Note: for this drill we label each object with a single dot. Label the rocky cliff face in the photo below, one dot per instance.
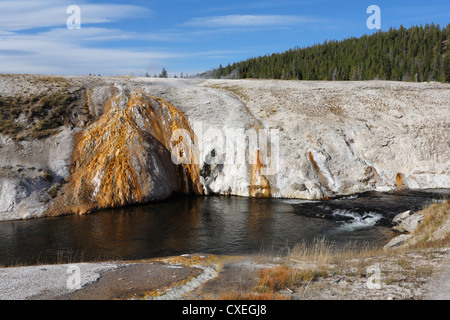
(122, 141)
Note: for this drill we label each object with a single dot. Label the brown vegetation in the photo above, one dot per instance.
(435, 217)
(41, 114)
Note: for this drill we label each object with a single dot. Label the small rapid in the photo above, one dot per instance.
(355, 220)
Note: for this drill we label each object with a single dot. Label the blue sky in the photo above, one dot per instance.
(119, 37)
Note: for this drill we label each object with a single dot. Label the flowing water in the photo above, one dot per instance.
(216, 225)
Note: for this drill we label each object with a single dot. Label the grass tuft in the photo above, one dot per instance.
(253, 296)
(281, 277)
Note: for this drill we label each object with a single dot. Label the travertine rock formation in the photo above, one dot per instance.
(340, 138)
(125, 157)
(120, 140)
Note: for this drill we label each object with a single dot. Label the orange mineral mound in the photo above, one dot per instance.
(125, 157)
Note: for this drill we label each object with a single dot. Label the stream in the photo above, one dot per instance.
(209, 225)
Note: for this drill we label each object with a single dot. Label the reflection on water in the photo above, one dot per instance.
(219, 225)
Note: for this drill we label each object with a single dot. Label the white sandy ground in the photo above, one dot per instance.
(439, 287)
(48, 281)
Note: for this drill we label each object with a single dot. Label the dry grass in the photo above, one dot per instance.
(253, 296)
(324, 255)
(188, 260)
(61, 257)
(281, 277)
(68, 257)
(321, 256)
(239, 92)
(354, 261)
(434, 217)
(42, 113)
(7, 172)
(53, 80)
(319, 251)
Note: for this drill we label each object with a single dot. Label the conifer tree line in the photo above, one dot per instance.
(420, 53)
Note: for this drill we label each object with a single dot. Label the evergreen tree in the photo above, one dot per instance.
(414, 54)
(164, 73)
(446, 67)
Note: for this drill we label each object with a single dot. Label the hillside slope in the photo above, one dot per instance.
(414, 54)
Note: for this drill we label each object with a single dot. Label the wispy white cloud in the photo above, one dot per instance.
(29, 14)
(108, 49)
(38, 54)
(57, 50)
(63, 51)
(248, 21)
